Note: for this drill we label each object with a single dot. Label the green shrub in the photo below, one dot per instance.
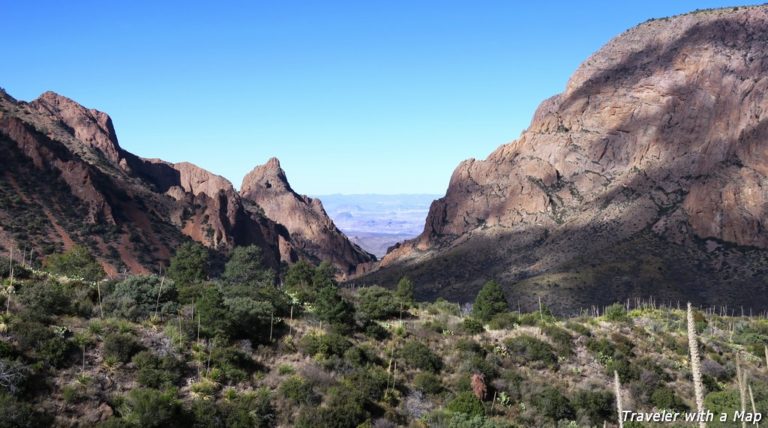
(251, 410)
(529, 350)
(562, 339)
(136, 298)
(157, 372)
(602, 348)
(20, 414)
(206, 414)
(597, 406)
(489, 302)
(504, 321)
(428, 383)
(554, 405)
(324, 345)
(578, 328)
(623, 366)
(43, 299)
(469, 346)
(466, 402)
(298, 391)
(343, 408)
(442, 306)
(377, 303)
(418, 355)
(14, 375)
(233, 364)
(472, 326)
(71, 393)
(76, 262)
(145, 407)
(665, 398)
(461, 420)
(616, 312)
(122, 346)
(478, 364)
(368, 382)
(37, 339)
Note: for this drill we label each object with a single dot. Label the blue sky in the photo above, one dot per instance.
(353, 97)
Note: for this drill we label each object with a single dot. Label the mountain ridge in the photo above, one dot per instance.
(658, 140)
(138, 209)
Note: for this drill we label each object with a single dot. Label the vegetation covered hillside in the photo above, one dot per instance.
(242, 350)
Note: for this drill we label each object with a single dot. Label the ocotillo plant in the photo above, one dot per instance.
(617, 388)
(752, 400)
(741, 378)
(693, 346)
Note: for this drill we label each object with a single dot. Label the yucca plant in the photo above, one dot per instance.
(617, 388)
(693, 345)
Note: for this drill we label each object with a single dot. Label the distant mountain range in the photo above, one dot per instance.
(377, 222)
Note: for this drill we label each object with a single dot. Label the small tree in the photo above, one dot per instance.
(75, 262)
(299, 280)
(377, 303)
(333, 308)
(245, 267)
(405, 291)
(490, 301)
(189, 267)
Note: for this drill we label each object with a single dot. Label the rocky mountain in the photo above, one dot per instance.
(311, 230)
(65, 180)
(646, 177)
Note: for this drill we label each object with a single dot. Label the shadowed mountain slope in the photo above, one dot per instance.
(646, 177)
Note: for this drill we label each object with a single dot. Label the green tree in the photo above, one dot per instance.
(75, 262)
(377, 303)
(138, 297)
(188, 269)
(245, 267)
(324, 276)
(405, 291)
(213, 315)
(333, 308)
(300, 281)
(466, 402)
(490, 301)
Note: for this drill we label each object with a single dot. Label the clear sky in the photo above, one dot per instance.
(363, 96)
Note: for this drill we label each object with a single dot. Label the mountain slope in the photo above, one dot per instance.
(647, 176)
(311, 230)
(65, 180)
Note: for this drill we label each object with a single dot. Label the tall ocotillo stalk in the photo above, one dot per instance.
(617, 388)
(766, 357)
(752, 400)
(741, 379)
(693, 345)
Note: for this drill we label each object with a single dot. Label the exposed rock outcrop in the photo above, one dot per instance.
(65, 179)
(659, 137)
(311, 230)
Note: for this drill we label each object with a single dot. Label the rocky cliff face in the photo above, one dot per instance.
(311, 230)
(65, 180)
(647, 176)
